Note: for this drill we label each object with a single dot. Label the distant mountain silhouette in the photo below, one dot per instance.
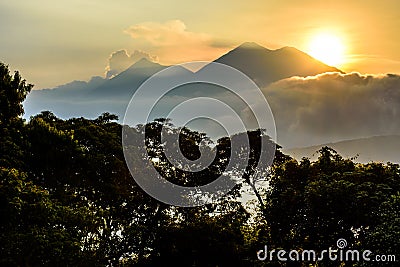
(264, 66)
(125, 83)
(377, 148)
(89, 99)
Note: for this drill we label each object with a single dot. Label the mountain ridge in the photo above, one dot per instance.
(265, 66)
(130, 79)
(144, 63)
(381, 148)
(89, 99)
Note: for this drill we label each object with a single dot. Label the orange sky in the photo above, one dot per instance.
(54, 42)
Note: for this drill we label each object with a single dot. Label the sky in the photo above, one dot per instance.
(55, 42)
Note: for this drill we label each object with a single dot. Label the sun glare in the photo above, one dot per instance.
(328, 49)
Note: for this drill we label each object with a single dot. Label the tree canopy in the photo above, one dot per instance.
(67, 198)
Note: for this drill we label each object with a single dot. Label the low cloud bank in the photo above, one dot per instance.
(333, 106)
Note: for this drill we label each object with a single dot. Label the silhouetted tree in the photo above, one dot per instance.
(13, 91)
(68, 198)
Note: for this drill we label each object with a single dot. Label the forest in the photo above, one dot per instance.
(67, 198)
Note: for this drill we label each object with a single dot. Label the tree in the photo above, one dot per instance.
(68, 198)
(13, 91)
(313, 204)
(36, 229)
(384, 237)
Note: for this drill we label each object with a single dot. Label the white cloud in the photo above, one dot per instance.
(174, 43)
(120, 60)
(333, 106)
(165, 34)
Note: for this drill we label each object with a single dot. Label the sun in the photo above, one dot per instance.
(327, 48)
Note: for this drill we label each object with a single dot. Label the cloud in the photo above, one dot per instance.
(333, 106)
(120, 60)
(165, 34)
(174, 43)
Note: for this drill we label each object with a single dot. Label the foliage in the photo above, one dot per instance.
(67, 197)
(13, 90)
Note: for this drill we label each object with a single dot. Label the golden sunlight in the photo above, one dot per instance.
(328, 49)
